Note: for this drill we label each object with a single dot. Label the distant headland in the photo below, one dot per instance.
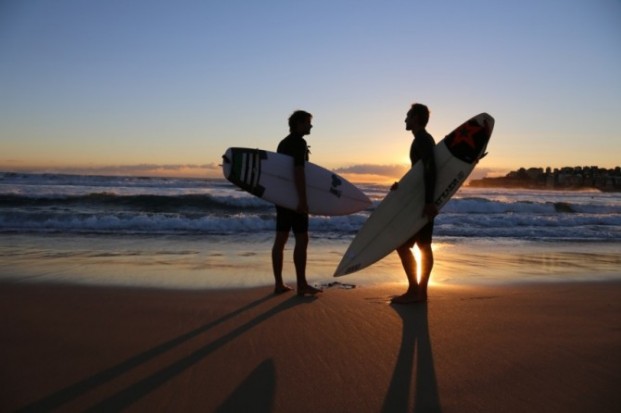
(567, 178)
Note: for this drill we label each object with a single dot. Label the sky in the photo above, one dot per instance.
(150, 87)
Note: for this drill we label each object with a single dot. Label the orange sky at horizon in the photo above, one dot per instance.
(214, 171)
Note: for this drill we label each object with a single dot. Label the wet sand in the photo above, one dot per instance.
(539, 347)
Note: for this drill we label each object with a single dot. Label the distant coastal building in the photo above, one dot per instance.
(579, 177)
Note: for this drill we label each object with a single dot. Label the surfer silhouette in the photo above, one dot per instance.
(421, 150)
(286, 220)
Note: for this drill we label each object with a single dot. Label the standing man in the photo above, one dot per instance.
(422, 150)
(295, 146)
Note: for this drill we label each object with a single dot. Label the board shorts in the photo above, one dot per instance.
(422, 237)
(287, 220)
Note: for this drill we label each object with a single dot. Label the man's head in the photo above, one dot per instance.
(300, 123)
(417, 117)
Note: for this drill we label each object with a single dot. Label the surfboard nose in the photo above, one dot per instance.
(469, 140)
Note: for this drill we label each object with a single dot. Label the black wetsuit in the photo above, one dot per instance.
(422, 150)
(287, 219)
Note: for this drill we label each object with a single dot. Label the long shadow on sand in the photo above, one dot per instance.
(414, 353)
(255, 394)
(133, 393)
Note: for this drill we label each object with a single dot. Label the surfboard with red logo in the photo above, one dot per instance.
(400, 214)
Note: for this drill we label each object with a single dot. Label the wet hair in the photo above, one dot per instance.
(422, 111)
(297, 117)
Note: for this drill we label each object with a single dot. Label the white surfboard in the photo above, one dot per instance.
(400, 214)
(269, 175)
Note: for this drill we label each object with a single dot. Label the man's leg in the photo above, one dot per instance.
(409, 265)
(277, 261)
(426, 254)
(299, 259)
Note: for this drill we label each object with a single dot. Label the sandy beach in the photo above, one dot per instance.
(540, 347)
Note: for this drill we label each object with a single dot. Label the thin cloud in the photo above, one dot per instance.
(388, 171)
(210, 170)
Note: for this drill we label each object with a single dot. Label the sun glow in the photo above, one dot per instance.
(369, 178)
(419, 264)
(405, 160)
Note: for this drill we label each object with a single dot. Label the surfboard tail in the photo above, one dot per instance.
(347, 265)
(340, 272)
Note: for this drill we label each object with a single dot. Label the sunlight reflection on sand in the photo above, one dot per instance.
(220, 262)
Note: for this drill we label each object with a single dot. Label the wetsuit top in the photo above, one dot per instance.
(422, 149)
(294, 146)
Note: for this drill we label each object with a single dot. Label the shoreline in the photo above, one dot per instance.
(214, 262)
(538, 347)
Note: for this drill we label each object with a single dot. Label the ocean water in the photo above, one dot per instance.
(134, 231)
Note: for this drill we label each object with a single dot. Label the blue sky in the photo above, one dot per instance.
(166, 86)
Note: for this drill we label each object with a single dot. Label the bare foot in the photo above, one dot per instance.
(281, 289)
(408, 298)
(308, 290)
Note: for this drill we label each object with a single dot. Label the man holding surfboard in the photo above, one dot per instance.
(295, 146)
(421, 150)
